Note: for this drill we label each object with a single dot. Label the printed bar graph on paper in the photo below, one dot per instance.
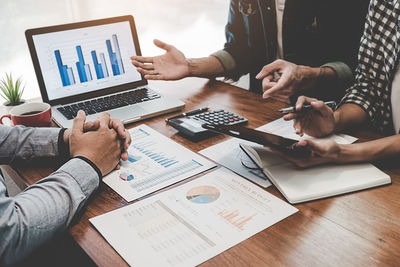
(66, 74)
(160, 158)
(83, 69)
(234, 218)
(115, 57)
(167, 174)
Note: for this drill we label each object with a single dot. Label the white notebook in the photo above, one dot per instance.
(300, 185)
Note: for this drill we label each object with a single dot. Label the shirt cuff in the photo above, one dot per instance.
(84, 174)
(226, 59)
(88, 161)
(63, 148)
(343, 72)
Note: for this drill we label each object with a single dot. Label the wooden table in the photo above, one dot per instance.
(356, 229)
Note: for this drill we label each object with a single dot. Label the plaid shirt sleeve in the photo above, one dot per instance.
(377, 61)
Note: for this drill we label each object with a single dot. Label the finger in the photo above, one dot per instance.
(118, 166)
(298, 128)
(142, 65)
(128, 141)
(321, 107)
(91, 126)
(124, 156)
(290, 116)
(282, 83)
(269, 69)
(104, 119)
(143, 59)
(315, 147)
(79, 121)
(267, 84)
(303, 99)
(147, 72)
(118, 126)
(162, 45)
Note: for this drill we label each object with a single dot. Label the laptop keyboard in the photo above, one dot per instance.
(109, 102)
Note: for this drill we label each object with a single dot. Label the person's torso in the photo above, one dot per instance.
(314, 32)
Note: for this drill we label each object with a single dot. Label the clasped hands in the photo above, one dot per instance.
(104, 141)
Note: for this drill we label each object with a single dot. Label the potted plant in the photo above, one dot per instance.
(11, 91)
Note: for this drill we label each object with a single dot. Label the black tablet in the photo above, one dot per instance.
(283, 144)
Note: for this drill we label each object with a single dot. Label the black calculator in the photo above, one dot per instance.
(219, 117)
(191, 126)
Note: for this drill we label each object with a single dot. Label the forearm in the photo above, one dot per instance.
(349, 116)
(207, 67)
(321, 77)
(27, 143)
(370, 151)
(44, 209)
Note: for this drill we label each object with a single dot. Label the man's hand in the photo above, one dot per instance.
(321, 152)
(102, 147)
(317, 122)
(173, 65)
(293, 78)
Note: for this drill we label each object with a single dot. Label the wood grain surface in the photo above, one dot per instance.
(356, 229)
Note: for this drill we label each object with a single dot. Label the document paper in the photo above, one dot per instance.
(191, 223)
(154, 162)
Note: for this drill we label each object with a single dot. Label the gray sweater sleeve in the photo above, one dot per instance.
(46, 208)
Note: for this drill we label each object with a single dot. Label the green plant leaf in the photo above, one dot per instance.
(10, 90)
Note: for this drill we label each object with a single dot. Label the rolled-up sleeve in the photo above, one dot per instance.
(345, 76)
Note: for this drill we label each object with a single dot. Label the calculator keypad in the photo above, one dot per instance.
(220, 117)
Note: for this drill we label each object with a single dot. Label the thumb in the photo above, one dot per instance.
(268, 69)
(162, 45)
(79, 121)
(315, 147)
(91, 126)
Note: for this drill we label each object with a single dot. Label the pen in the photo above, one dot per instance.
(189, 113)
(331, 104)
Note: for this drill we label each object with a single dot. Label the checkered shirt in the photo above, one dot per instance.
(377, 62)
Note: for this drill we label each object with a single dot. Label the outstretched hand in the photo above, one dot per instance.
(173, 65)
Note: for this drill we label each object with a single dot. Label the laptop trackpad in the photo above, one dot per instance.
(125, 113)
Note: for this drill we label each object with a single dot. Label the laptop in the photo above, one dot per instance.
(86, 65)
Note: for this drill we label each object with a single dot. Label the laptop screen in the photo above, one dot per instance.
(83, 60)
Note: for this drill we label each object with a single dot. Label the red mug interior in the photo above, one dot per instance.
(30, 114)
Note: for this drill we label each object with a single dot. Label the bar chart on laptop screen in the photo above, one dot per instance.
(86, 59)
(67, 75)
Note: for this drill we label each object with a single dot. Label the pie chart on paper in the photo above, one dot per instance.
(203, 194)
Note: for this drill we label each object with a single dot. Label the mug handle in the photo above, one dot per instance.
(4, 116)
